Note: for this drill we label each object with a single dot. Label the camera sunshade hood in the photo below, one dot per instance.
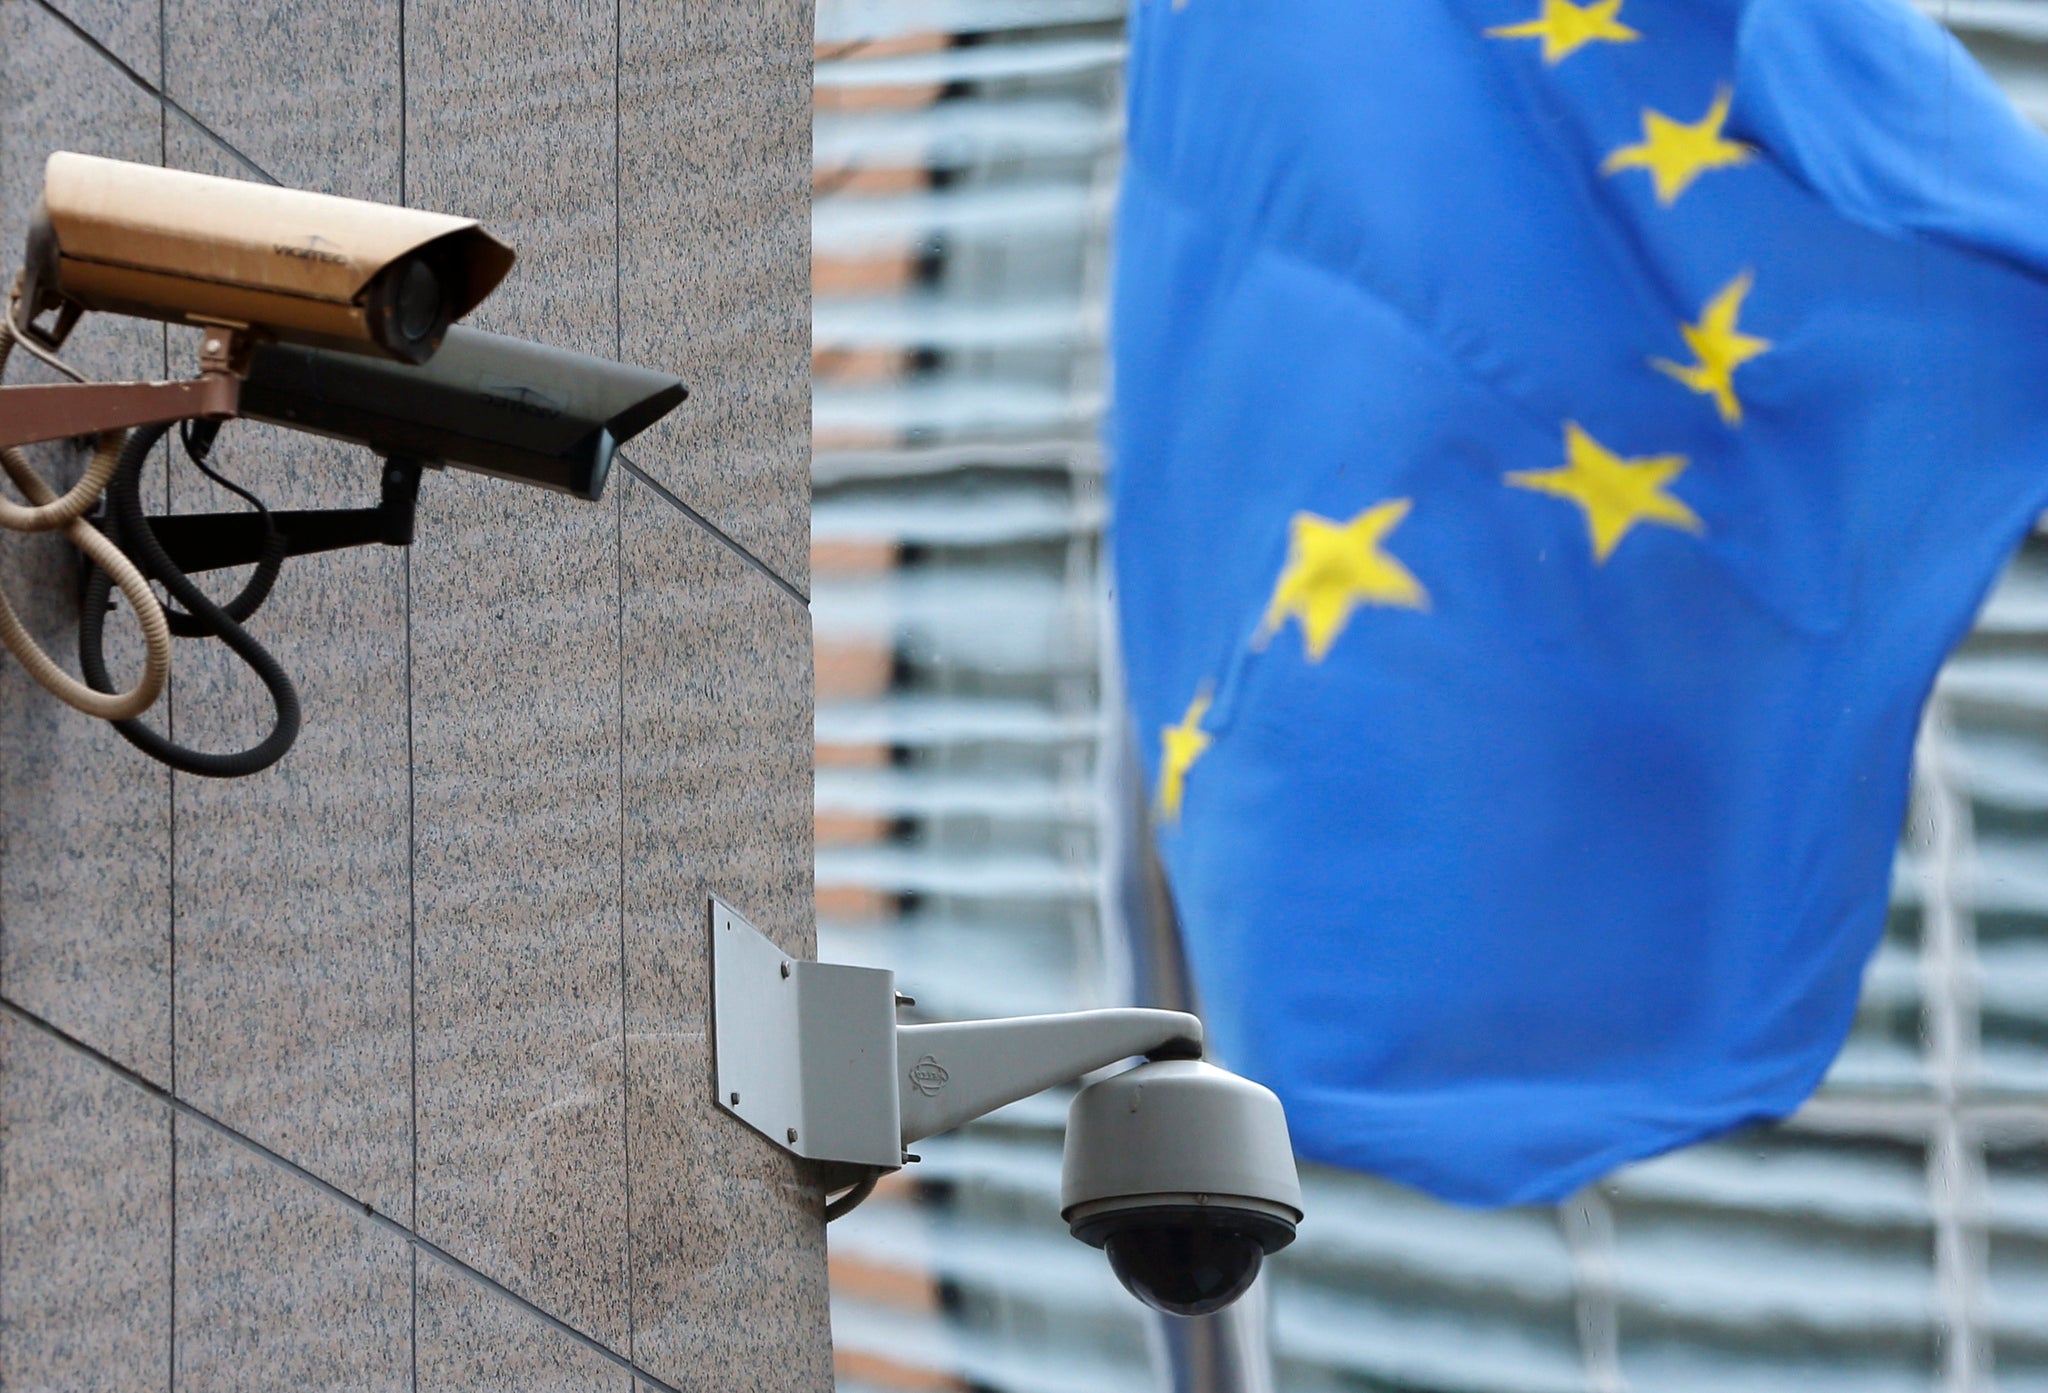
(496, 405)
(168, 244)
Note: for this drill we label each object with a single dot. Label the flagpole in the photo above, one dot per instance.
(1230, 1351)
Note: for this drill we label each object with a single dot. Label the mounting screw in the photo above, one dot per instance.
(910, 1156)
(792, 1134)
(785, 969)
(902, 1000)
(213, 345)
(735, 1099)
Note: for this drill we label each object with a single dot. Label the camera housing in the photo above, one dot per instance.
(487, 403)
(301, 267)
(1184, 1175)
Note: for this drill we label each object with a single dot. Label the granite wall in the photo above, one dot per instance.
(387, 1068)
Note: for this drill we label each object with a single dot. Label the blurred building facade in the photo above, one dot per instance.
(1894, 1235)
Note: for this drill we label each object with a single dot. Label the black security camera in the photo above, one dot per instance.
(496, 405)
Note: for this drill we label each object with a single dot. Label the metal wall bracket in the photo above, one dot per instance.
(33, 412)
(198, 542)
(810, 1055)
(804, 1052)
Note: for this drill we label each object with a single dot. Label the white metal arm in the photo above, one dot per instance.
(953, 1073)
(810, 1055)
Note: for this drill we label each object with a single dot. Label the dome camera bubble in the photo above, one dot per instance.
(1184, 1269)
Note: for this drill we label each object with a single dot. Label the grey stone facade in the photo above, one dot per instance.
(388, 1068)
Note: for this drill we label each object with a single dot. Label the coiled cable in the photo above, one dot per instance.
(131, 531)
(101, 698)
(48, 511)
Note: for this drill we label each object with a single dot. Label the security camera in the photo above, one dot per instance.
(1180, 1171)
(495, 405)
(283, 264)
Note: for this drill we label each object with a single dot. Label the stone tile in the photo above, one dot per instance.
(470, 1339)
(509, 119)
(85, 901)
(85, 1221)
(516, 701)
(279, 1286)
(308, 89)
(294, 964)
(521, 1164)
(714, 192)
(728, 1235)
(126, 28)
(293, 885)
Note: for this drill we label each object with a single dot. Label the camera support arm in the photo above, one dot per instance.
(953, 1073)
(33, 412)
(811, 1056)
(61, 410)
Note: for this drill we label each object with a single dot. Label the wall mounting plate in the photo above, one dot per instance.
(804, 1052)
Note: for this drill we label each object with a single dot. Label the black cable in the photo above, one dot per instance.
(198, 437)
(130, 531)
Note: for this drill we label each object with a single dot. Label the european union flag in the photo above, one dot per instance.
(1555, 444)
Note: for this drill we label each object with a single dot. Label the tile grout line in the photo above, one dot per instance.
(718, 533)
(412, 972)
(163, 131)
(412, 838)
(170, 105)
(5, 1324)
(619, 552)
(329, 1190)
(163, 99)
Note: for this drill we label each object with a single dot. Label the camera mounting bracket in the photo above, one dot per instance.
(210, 541)
(34, 412)
(810, 1054)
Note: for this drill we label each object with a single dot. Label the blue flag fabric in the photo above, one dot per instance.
(1555, 446)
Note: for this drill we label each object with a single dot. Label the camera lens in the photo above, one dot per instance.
(419, 302)
(410, 303)
(1184, 1269)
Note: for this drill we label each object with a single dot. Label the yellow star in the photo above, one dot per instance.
(1615, 493)
(1179, 747)
(1333, 567)
(1566, 28)
(1676, 154)
(1720, 348)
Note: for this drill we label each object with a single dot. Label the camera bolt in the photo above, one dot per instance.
(792, 1134)
(735, 1100)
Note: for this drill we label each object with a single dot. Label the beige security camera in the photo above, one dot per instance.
(282, 264)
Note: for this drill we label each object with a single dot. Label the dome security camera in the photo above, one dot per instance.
(1182, 1173)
